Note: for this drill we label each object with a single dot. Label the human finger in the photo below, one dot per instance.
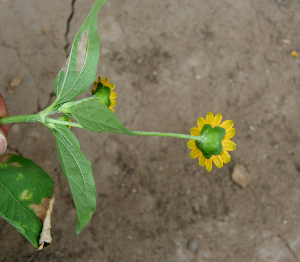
(3, 113)
(3, 141)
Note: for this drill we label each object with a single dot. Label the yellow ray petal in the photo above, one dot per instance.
(218, 161)
(200, 123)
(111, 109)
(226, 157)
(208, 164)
(227, 124)
(113, 103)
(229, 133)
(111, 86)
(195, 131)
(195, 153)
(209, 118)
(228, 145)
(202, 160)
(105, 81)
(113, 95)
(217, 120)
(191, 144)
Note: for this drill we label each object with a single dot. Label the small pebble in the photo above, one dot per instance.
(286, 41)
(13, 83)
(241, 176)
(251, 127)
(193, 245)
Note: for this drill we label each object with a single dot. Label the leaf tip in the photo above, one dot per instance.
(43, 211)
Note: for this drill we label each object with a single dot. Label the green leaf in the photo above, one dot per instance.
(78, 171)
(96, 117)
(23, 185)
(79, 71)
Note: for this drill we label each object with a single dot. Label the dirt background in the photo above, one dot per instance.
(171, 62)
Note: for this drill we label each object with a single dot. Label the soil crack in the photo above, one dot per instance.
(68, 27)
(288, 247)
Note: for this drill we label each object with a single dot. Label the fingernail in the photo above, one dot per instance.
(3, 144)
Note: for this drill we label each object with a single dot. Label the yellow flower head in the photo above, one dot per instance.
(214, 143)
(104, 91)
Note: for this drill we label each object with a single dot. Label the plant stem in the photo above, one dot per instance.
(142, 133)
(61, 122)
(20, 118)
(35, 118)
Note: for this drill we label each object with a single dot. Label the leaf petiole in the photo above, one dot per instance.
(61, 122)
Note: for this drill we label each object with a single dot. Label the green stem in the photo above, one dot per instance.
(64, 107)
(142, 133)
(48, 111)
(20, 118)
(61, 122)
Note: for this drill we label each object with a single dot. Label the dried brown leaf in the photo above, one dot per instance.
(66, 64)
(43, 211)
(82, 50)
(81, 53)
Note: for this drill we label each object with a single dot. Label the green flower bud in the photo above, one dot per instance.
(106, 96)
(211, 142)
(103, 94)
(64, 118)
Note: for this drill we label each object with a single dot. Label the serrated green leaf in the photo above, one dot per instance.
(96, 117)
(79, 71)
(78, 171)
(22, 185)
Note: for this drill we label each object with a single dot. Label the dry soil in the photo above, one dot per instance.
(171, 62)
